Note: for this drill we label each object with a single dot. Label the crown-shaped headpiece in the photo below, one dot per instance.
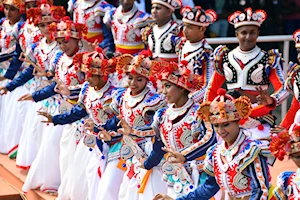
(248, 17)
(224, 108)
(197, 16)
(45, 12)
(94, 63)
(67, 29)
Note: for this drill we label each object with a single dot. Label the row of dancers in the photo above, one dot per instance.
(117, 104)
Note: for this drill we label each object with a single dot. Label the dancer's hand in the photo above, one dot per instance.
(263, 98)
(174, 156)
(277, 129)
(3, 90)
(89, 125)
(104, 135)
(88, 46)
(2, 78)
(61, 88)
(126, 129)
(38, 71)
(26, 97)
(142, 161)
(47, 115)
(162, 197)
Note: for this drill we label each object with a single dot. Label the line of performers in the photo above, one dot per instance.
(117, 104)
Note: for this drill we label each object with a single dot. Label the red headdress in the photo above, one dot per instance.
(45, 12)
(94, 63)
(224, 108)
(140, 64)
(18, 4)
(248, 17)
(179, 74)
(197, 16)
(68, 29)
(286, 142)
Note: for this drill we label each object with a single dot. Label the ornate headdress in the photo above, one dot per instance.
(172, 4)
(18, 4)
(45, 12)
(296, 37)
(197, 16)
(139, 64)
(248, 17)
(94, 63)
(286, 142)
(179, 74)
(224, 108)
(68, 29)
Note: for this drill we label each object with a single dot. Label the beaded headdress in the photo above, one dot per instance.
(94, 63)
(224, 108)
(45, 12)
(18, 4)
(139, 64)
(248, 17)
(179, 74)
(286, 142)
(68, 29)
(197, 16)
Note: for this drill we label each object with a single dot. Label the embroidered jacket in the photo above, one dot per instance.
(39, 53)
(26, 35)
(181, 129)
(247, 70)
(138, 112)
(90, 13)
(62, 66)
(126, 28)
(198, 55)
(7, 42)
(159, 40)
(241, 169)
(288, 186)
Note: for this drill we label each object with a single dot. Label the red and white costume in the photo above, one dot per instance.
(197, 54)
(125, 27)
(246, 70)
(90, 13)
(160, 39)
(137, 111)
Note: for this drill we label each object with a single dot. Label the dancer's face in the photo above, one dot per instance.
(228, 131)
(172, 92)
(193, 33)
(137, 83)
(95, 81)
(247, 36)
(126, 4)
(160, 13)
(29, 5)
(12, 13)
(44, 29)
(68, 46)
